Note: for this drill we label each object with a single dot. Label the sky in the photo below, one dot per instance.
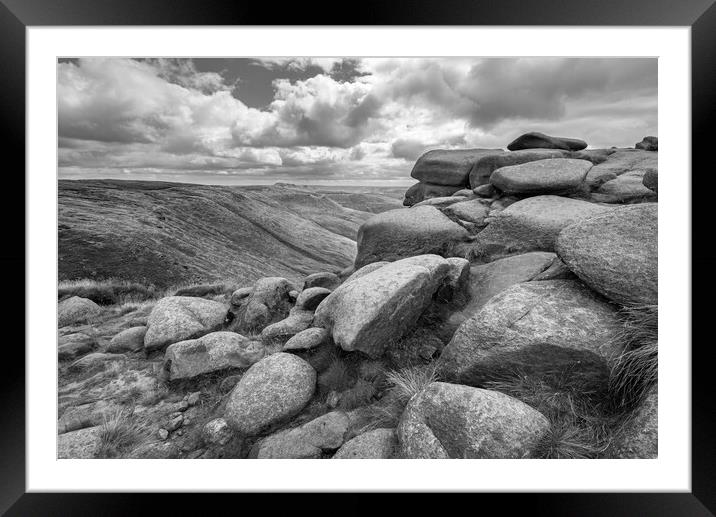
(331, 120)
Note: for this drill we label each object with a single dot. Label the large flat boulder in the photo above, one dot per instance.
(422, 191)
(545, 328)
(448, 167)
(76, 310)
(531, 224)
(178, 318)
(375, 310)
(551, 176)
(537, 140)
(616, 253)
(485, 166)
(619, 162)
(626, 188)
(272, 390)
(408, 232)
(210, 353)
(454, 421)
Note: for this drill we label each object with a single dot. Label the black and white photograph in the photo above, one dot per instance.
(388, 258)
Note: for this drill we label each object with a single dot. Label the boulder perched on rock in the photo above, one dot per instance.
(472, 211)
(551, 176)
(210, 353)
(626, 188)
(651, 179)
(448, 167)
(551, 327)
(407, 232)
(310, 298)
(375, 444)
(281, 331)
(638, 438)
(178, 318)
(648, 143)
(370, 312)
(268, 302)
(76, 310)
(311, 440)
(531, 225)
(74, 345)
(422, 191)
(454, 421)
(536, 140)
(616, 253)
(272, 390)
(307, 339)
(80, 444)
(620, 162)
(485, 166)
(129, 340)
(326, 279)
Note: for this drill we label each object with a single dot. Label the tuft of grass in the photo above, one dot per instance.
(111, 291)
(336, 377)
(635, 371)
(359, 395)
(408, 382)
(117, 434)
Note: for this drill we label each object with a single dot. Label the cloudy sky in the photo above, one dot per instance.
(331, 120)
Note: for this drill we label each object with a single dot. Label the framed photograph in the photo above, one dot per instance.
(430, 241)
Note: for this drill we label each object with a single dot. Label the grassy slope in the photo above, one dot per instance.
(171, 233)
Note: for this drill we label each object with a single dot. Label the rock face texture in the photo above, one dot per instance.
(651, 179)
(422, 191)
(536, 328)
(472, 211)
(178, 318)
(542, 141)
(370, 312)
(616, 253)
(552, 176)
(406, 232)
(272, 390)
(453, 421)
(211, 353)
(448, 167)
(80, 444)
(311, 440)
(375, 444)
(485, 166)
(76, 310)
(531, 224)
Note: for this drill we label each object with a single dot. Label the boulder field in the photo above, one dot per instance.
(483, 320)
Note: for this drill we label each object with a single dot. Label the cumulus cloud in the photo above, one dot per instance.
(360, 118)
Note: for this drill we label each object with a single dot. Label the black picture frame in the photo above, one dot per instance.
(700, 15)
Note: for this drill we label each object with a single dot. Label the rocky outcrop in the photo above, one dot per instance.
(536, 140)
(178, 318)
(648, 143)
(210, 353)
(272, 390)
(370, 312)
(448, 167)
(407, 232)
(76, 310)
(551, 176)
(453, 421)
(616, 253)
(620, 162)
(267, 302)
(535, 328)
(531, 225)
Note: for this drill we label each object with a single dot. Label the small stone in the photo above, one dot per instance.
(217, 432)
(175, 423)
(193, 398)
(163, 434)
